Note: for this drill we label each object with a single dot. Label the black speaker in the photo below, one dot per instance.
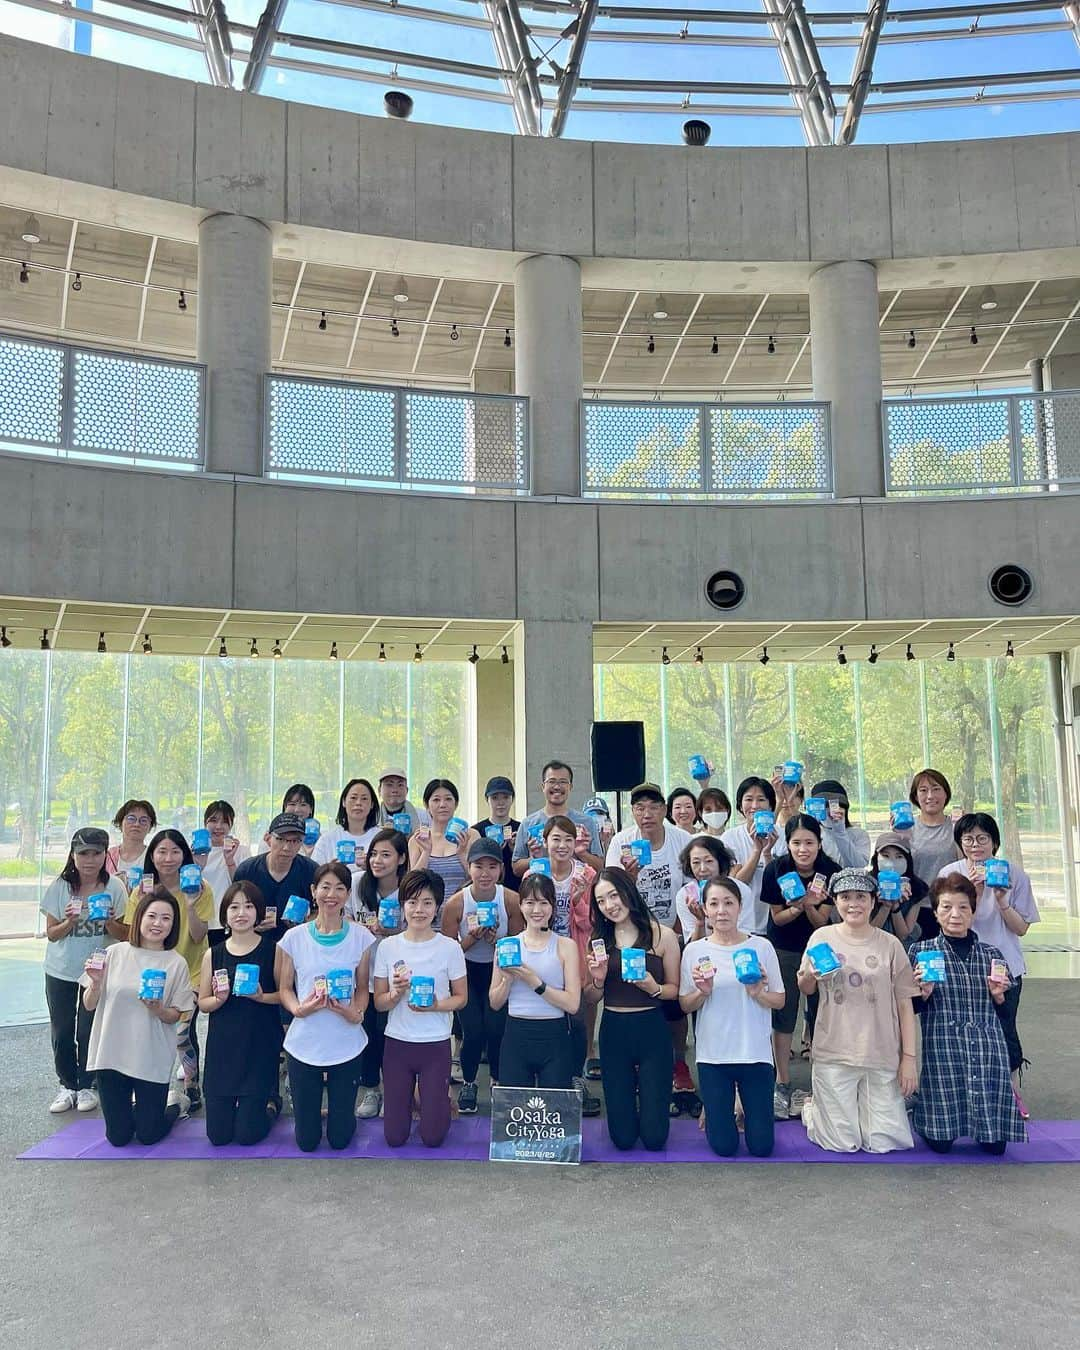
(618, 755)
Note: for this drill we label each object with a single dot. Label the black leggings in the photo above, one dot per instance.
(481, 1026)
(372, 1053)
(69, 1025)
(1007, 1017)
(636, 1064)
(535, 1053)
(306, 1084)
(996, 1147)
(134, 1108)
(237, 1120)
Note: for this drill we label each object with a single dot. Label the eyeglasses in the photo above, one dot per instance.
(138, 820)
(557, 782)
(974, 840)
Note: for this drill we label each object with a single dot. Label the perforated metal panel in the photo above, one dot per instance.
(338, 431)
(78, 401)
(984, 443)
(710, 449)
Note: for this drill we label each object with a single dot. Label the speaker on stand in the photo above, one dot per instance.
(618, 759)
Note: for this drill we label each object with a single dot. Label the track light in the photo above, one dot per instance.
(911, 338)
(841, 658)
(715, 347)
(101, 643)
(764, 657)
(322, 321)
(401, 291)
(505, 658)
(974, 339)
(873, 657)
(253, 650)
(454, 334)
(475, 656)
(699, 657)
(333, 651)
(147, 645)
(1009, 649)
(223, 651)
(950, 655)
(44, 639)
(665, 659)
(418, 655)
(395, 331)
(771, 349)
(24, 274)
(650, 346)
(661, 309)
(276, 652)
(31, 230)
(382, 651)
(5, 641)
(909, 655)
(506, 338)
(181, 303)
(76, 285)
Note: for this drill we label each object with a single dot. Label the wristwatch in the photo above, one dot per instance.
(541, 988)
(659, 991)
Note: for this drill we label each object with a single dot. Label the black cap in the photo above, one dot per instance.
(499, 784)
(90, 840)
(485, 848)
(829, 787)
(646, 792)
(287, 822)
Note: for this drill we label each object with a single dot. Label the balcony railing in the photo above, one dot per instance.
(359, 435)
(677, 450)
(984, 443)
(88, 403)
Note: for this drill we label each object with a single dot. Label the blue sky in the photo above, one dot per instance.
(680, 61)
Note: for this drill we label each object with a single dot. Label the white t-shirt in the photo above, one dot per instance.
(442, 959)
(324, 1037)
(660, 882)
(691, 891)
(125, 1037)
(738, 842)
(731, 1027)
(989, 926)
(216, 876)
(326, 849)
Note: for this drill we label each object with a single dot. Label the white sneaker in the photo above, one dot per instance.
(370, 1104)
(63, 1101)
(178, 1098)
(86, 1100)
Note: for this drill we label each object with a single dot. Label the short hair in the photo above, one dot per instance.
(556, 764)
(166, 897)
(372, 817)
(723, 855)
(563, 823)
(934, 777)
(536, 886)
(953, 883)
(299, 790)
(728, 883)
(131, 805)
(679, 792)
(422, 879)
(444, 784)
(713, 794)
(762, 784)
(220, 808)
(977, 820)
(802, 822)
(175, 837)
(245, 888)
(332, 869)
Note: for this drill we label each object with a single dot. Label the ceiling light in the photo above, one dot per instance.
(418, 655)
(974, 339)
(989, 299)
(253, 650)
(5, 641)
(764, 657)
(771, 349)
(950, 655)
(31, 230)
(475, 657)
(397, 104)
(505, 658)
(506, 339)
(322, 322)
(715, 347)
(276, 652)
(24, 274)
(696, 132)
(1009, 649)
(454, 334)
(401, 291)
(382, 651)
(333, 651)
(395, 331)
(76, 285)
(841, 659)
(147, 645)
(101, 643)
(661, 309)
(699, 657)
(223, 651)
(911, 338)
(181, 303)
(909, 655)
(44, 639)
(665, 659)
(650, 346)
(873, 657)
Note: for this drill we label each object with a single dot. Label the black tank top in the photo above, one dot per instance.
(619, 995)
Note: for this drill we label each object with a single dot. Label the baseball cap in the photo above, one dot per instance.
(596, 806)
(499, 784)
(286, 822)
(646, 792)
(891, 839)
(485, 848)
(393, 773)
(89, 840)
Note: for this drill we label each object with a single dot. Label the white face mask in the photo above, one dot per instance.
(716, 820)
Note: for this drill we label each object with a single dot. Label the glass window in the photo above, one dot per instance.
(236, 741)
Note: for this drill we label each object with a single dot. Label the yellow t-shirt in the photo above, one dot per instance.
(192, 952)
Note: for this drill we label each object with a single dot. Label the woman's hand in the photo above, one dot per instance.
(423, 839)
(73, 910)
(344, 1009)
(907, 1078)
(1001, 897)
(155, 1007)
(312, 1004)
(400, 985)
(598, 969)
(758, 988)
(703, 983)
(94, 976)
(535, 847)
(630, 865)
(229, 851)
(769, 843)
(582, 841)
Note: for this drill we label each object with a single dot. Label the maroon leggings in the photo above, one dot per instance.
(404, 1064)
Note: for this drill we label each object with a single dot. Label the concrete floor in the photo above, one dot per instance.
(453, 1254)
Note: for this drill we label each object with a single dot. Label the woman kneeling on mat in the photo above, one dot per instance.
(633, 966)
(541, 994)
(420, 980)
(965, 1089)
(864, 1038)
(732, 981)
(322, 977)
(140, 989)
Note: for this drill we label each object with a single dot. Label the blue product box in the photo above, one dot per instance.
(791, 887)
(402, 822)
(642, 851)
(99, 906)
(246, 980)
(889, 885)
(699, 767)
(903, 817)
(134, 876)
(816, 807)
(200, 841)
(541, 866)
(633, 963)
(931, 967)
(487, 913)
(312, 830)
(422, 991)
(747, 966)
(764, 823)
(296, 909)
(389, 914)
(456, 829)
(997, 873)
(793, 771)
(508, 951)
(823, 958)
(346, 851)
(494, 832)
(191, 878)
(152, 985)
(339, 985)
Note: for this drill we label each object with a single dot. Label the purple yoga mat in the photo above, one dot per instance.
(1051, 1141)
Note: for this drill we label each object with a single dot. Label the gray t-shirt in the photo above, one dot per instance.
(932, 848)
(521, 848)
(66, 958)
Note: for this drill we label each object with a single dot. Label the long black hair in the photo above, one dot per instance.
(369, 886)
(372, 816)
(178, 839)
(640, 917)
(70, 873)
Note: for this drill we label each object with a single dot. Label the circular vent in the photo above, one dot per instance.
(1010, 584)
(725, 590)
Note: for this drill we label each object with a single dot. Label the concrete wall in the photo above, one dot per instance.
(92, 122)
(129, 537)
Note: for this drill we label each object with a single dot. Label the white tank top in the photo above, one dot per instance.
(483, 953)
(525, 1002)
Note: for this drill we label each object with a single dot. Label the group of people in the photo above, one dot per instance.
(362, 953)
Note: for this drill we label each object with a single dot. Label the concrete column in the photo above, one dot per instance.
(846, 362)
(495, 746)
(548, 367)
(1062, 371)
(553, 704)
(235, 296)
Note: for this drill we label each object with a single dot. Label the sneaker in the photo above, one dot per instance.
(178, 1097)
(63, 1101)
(86, 1100)
(1025, 1114)
(781, 1101)
(799, 1098)
(592, 1070)
(681, 1080)
(590, 1105)
(193, 1093)
(370, 1104)
(466, 1100)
